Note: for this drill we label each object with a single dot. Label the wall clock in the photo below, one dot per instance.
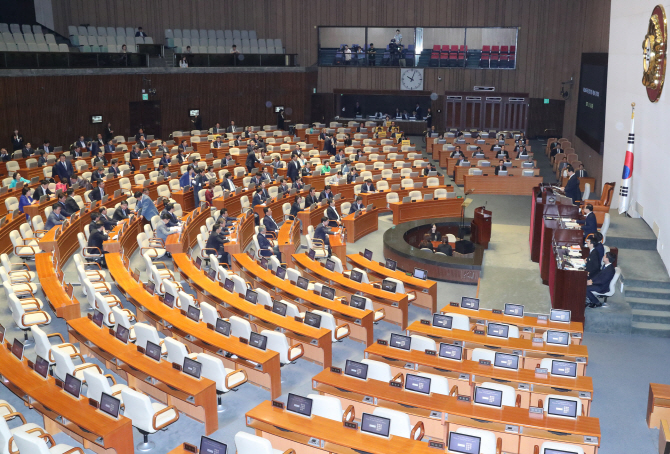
(411, 79)
(654, 48)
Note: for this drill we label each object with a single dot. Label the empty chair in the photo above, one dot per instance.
(43, 346)
(176, 351)
(26, 318)
(509, 397)
(20, 275)
(488, 444)
(378, 370)
(225, 379)
(147, 333)
(459, 321)
(64, 365)
(148, 417)
(98, 384)
(29, 443)
(240, 327)
(279, 343)
(246, 443)
(330, 408)
(400, 424)
(422, 343)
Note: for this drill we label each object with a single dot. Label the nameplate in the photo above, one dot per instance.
(176, 366)
(382, 342)
(314, 342)
(577, 335)
(538, 340)
(542, 318)
(395, 384)
(496, 311)
(244, 340)
(453, 304)
(479, 331)
(210, 326)
(436, 444)
(481, 322)
(511, 429)
(59, 383)
(431, 352)
(464, 376)
(93, 403)
(436, 414)
(464, 398)
(535, 411)
(580, 359)
(541, 372)
(517, 352)
(140, 349)
(336, 370)
(351, 425)
(368, 399)
(524, 387)
(267, 308)
(297, 319)
(458, 343)
(190, 448)
(584, 394)
(425, 322)
(484, 362)
(590, 440)
(277, 404)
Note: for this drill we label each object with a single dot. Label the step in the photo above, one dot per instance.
(650, 316)
(640, 244)
(650, 329)
(648, 284)
(646, 292)
(651, 304)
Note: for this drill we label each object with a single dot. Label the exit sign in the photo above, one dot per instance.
(145, 96)
(546, 100)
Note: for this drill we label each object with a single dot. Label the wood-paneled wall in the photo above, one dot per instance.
(59, 107)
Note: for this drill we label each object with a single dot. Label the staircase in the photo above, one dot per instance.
(650, 307)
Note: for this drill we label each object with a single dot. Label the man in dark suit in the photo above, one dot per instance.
(445, 247)
(500, 166)
(231, 128)
(27, 151)
(97, 193)
(307, 170)
(42, 189)
(252, 160)
(596, 254)
(283, 187)
(140, 33)
(81, 143)
(65, 209)
(590, 223)
(64, 169)
(134, 153)
(357, 205)
(352, 175)
(139, 134)
(47, 147)
(17, 140)
(121, 212)
(109, 148)
(581, 173)
(96, 240)
(269, 222)
(368, 186)
(169, 211)
(55, 218)
(311, 198)
(187, 178)
(326, 194)
(217, 143)
(334, 219)
(228, 182)
(571, 188)
(601, 281)
(418, 112)
(258, 197)
(295, 208)
(114, 168)
(72, 204)
(75, 152)
(322, 232)
(4, 156)
(109, 222)
(97, 176)
(298, 185)
(216, 241)
(266, 247)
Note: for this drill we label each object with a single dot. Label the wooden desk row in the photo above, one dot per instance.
(461, 172)
(450, 163)
(509, 185)
(425, 209)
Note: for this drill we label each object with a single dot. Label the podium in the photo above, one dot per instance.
(481, 227)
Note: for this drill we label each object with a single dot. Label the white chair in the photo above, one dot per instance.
(479, 354)
(392, 197)
(123, 317)
(239, 327)
(225, 379)
(545, 403)
(422, 343)
(6, 433)
(328, 322)
(148, 417)
(245, 443)
(153, 248)
(25, 319)
(147, 333)
(17, 283)
(459, 321)
(604, 228)
(98, 384)
(177, 351)
(241, 285)
(400, 424)
(489, 444)
(43, 346)
(21, 249)
(330, 408)
(400, 288)
(277, 342)
(438, 384)
(28, 443)
(509, 397)
(22, 275)
(64, 366)
(378, 370)
(560, 447)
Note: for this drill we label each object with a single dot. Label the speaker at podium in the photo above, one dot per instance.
(481, 227)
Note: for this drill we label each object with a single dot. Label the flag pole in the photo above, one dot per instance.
(627, 176)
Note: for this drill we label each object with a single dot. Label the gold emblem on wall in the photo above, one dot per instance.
(654, 48)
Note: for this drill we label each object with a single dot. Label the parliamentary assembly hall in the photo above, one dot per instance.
(334, 227)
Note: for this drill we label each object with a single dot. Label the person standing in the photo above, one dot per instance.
(372, 55)
(280, 119)
(109, 132)
(398, 37)
(17, 140)
(571, 188)
(347, 55)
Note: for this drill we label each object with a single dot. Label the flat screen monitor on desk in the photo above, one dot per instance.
(97, 318)
(328, 293)
(417, 383)
(110, 405)
(367, 254)
(229, 285)
(42, 366)
(281, 272)
(153, 351)
(442, 321)
(470, 303)
(453, 352)
(463, 444)
(562, 408)
(558, 338)
(506, 361)
(400, 341)
(356, 369)
(302, 283)
(122, 333)
(299, 404)
(193, 313)
(168, 299)
(497, 330)
(559, 315)
(389, 286)
(564, 368)
(357, 301)
(251, 296)
(356, 276)
(312, 319)
(209, 446)
(488, 396)
(375, 425)
(72, 386)
(420, 274)
(279, 308)
(515, 310)
(391, 264)
(192, 368)
(330, 265)
(311, 254)
(17, 349)
(258, 340)
(222, 327)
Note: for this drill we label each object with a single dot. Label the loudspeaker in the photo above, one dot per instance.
(465, 247)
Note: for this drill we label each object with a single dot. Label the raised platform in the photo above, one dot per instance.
(439, 267)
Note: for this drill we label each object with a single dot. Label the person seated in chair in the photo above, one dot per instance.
(121, 213)
(426, 243)
(334, 219)
(322, 232)
(269, 222)
(601, 281)
(326, 194)
(596, 253)
(96, 240)
(457, 153)
(500, 166)
(445, 247)
(357, 205)
(265, 244)
(217, 239)
(434, 234)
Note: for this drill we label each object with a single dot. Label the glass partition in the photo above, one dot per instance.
(479, 47)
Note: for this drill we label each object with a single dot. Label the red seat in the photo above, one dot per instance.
(436, 48)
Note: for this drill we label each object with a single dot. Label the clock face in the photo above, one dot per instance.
(411, 79)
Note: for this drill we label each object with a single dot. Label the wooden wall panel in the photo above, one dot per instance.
(59, 107)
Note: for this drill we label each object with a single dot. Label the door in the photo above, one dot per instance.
(146, 115)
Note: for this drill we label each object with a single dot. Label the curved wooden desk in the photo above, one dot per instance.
(467, 374)
(379, 198)
(394, 304)
(426, 291)
(317, 343)
(360, 321)
(62, 412)
(501, 185)
(515, 171)
(425, 209)
(262, 367)
(527, 324)
(59, 301)
(442, 414)
(286, 430)
(288, 239)
(532, 353)
(313, 217)
(358, 227)
(193, 397)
